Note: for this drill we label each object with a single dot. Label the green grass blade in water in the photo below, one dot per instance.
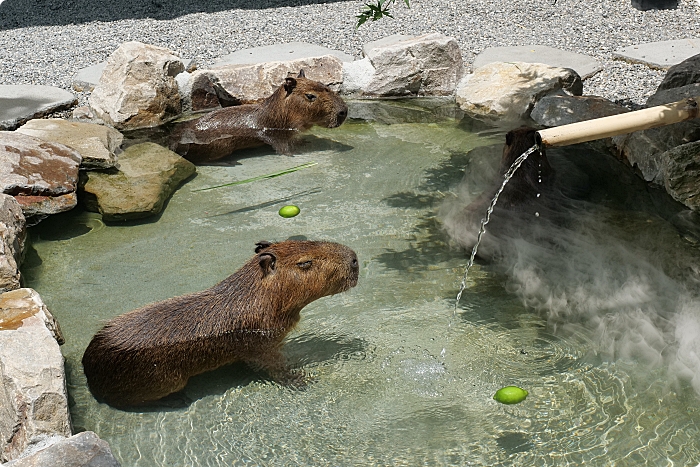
(262, 177)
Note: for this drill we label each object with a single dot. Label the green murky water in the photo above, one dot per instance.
(397, 377)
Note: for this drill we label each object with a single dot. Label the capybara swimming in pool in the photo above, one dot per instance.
(295, 106)
(148, 353)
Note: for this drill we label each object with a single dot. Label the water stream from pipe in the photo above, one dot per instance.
(482, 228)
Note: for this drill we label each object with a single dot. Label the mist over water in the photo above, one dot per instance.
(595, 251)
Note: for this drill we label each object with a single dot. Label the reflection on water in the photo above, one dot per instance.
(381, 392)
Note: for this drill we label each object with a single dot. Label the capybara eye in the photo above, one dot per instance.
(310, 97)
(304, 264)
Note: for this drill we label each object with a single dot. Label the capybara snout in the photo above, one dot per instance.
(148, 353)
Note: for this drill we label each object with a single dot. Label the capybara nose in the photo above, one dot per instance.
(342, 115)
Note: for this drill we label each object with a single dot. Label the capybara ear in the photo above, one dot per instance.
(301, 74)
(267, 263)
(509, 138)
(289, 84)
(261, 245)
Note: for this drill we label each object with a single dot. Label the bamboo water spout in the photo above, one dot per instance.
(614, 125)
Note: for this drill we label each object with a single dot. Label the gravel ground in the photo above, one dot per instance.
(48, 41)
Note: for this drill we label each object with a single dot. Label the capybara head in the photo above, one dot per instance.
(306, 103)
(300, 272)
(534, 175)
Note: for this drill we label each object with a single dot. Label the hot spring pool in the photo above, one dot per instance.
(595, 314)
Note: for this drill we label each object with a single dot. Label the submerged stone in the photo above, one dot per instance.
(148, 176)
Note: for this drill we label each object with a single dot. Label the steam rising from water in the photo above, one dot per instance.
(611, 265)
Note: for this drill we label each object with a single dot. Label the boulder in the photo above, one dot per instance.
(41, 175)
(508, 91)
(147, 177)
(34, 402)
(427, 65)
(248, 83)
(137, 88)
(13, 232)
(681, 174)
(85, 449)
(647, 149)
(562, 110)
(97, 144)
(685, 73)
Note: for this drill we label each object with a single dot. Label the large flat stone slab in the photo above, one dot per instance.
(20, 103)
(280, 53)
(584, 65)
(662, 55)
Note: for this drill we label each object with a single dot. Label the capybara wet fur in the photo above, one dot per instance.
(148, 353)
(295, 106)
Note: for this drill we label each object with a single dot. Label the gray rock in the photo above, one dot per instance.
(644, 149)
(645, 5)
(668, 96)
(357, 76)
(85, 449)
(280, 53)
(97, 144)
(563, 110)
(42, 176)
(255, 82)
(148, 176)
(509, 91)
(19, 103)
(13, 233)
(34, 402)
(429, 65)
(137, 88)
(685, 73)
(584, 65)
(681, 174)
(662, 55)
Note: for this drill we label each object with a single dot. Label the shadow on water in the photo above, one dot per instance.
(430, 242)
(26, 13)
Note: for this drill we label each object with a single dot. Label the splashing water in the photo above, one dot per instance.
(482, 228)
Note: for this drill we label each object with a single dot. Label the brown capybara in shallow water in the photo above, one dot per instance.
(148, 353)
(295, 106)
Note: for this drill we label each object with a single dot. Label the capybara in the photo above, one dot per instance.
(295, 106)
(148, 353)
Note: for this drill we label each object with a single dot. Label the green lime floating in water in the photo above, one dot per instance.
(510, 395)
(289, 211)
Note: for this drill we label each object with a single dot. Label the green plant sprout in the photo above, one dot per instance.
(375, 12)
